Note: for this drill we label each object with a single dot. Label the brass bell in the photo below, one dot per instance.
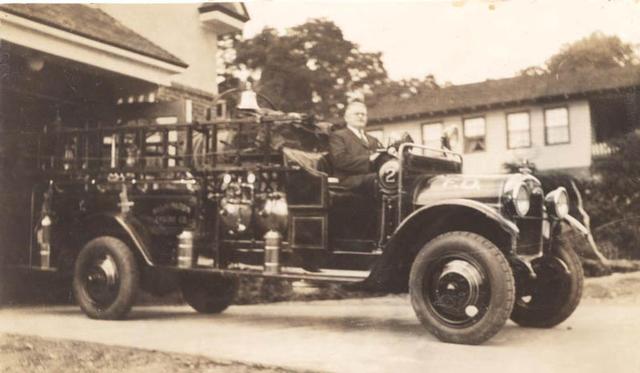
(248, 100)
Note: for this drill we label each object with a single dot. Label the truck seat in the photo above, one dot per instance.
(318, 164)
(314, 163)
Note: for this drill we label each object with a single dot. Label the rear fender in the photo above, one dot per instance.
(392, 270)
(122, 226)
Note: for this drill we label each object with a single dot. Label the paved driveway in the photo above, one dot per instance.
(364, 335)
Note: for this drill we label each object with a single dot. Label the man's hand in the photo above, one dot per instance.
(374, 156)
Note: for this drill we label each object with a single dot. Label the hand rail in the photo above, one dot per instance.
(153, 147)
(444, 152)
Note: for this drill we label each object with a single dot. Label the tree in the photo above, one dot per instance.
(597, 50)
(402, 89)
(310, 68)
(533, 71)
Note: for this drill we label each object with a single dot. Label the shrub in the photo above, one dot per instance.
(612, 198)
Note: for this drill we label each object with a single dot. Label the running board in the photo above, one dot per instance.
(294, 274)
(29, 268)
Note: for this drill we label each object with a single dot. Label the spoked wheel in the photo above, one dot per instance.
(461, 288)
(556, 292)
(208, 293)
(106, 279)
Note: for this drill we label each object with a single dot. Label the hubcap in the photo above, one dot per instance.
(457, 291)
(101, 280)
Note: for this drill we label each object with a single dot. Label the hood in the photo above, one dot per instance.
(488, 189)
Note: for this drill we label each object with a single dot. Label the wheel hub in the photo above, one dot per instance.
(101, 280)
(457, 291)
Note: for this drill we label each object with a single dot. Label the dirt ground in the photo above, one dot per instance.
(33, 354)
(616, 288)
(20, 353)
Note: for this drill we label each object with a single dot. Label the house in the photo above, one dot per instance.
(92, 65)
(559, 122)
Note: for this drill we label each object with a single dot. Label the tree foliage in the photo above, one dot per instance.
(533, 71)
(402, 89)
(618, 177)
(597, 50)
(310, 68)
(613, 198)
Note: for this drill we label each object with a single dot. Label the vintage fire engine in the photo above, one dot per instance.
(254, 196)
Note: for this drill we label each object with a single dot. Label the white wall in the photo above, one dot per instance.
(177, 29)
(575, 154)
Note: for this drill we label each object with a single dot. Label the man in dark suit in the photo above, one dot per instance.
(352, 151)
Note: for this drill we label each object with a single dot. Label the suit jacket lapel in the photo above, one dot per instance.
(358, 139)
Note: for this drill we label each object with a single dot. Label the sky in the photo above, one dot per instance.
(457, 41)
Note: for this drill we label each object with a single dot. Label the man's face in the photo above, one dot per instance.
(356, 115)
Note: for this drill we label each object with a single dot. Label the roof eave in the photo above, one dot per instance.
(501, 104)
(213, 7)
(36, 35)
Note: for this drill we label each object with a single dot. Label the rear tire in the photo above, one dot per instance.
(461, 288)
(208, 294)
(106, 279)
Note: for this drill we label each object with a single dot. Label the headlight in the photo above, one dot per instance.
(557, 203)
(521, 200)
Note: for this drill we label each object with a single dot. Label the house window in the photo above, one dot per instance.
(432, 135)
(378, 134)
(556, 126)
(474, 135)
(518, 130)
(218, 111)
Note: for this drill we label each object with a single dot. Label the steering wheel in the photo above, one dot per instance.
(404, 139)
(383, 157)
(387, 165)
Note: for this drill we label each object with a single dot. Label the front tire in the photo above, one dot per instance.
(555, 294)
(461, 288)
(208, 294)
(106, 278)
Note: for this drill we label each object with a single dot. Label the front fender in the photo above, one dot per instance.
(586, 233)
(391, 271)
(507, 225)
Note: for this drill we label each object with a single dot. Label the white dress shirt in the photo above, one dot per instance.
(359, 133)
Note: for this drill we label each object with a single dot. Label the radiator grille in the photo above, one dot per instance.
(530, 226)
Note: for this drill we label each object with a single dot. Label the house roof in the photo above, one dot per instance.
(235, 10)
(92, 23)
(503, 92)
